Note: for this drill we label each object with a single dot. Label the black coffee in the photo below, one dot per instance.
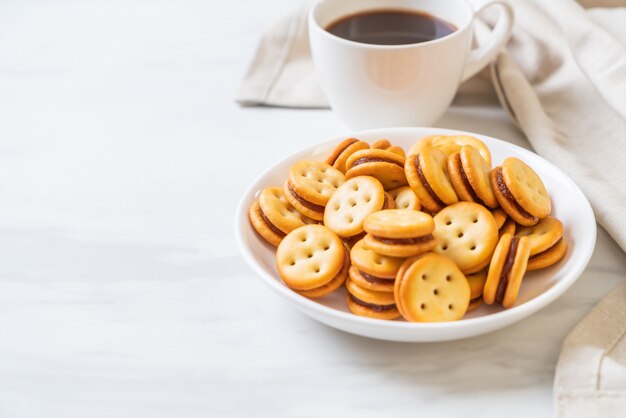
(391, 27)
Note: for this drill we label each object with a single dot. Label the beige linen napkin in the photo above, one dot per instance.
(563, 82)
(591, 374)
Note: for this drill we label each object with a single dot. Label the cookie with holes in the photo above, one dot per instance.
(506, 270)
(477, 283)
(338, 157)
(467, 233)
(386, 145)
(310, 185)
(405, 198)
(334, 284)
(431, 288)
(399, 232)
(520, 192)
(386, 166)
(427, 174)
(273, 217)
(312, 260)
(547, 245)
(372, 270)
(352, 240)
(469, 174)
(370, 303)
(351, 203)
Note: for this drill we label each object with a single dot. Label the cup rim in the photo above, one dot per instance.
(312, 21)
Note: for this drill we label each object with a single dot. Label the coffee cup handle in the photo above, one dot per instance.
(479, 57)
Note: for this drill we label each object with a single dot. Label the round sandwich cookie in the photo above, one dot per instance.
(338, 157)
(386, 145)
(396, 288)
(312, 260)
(520, 192)
(548, 257)
(546, 242)
(370, 303)
(427, 174)
(542, 236)
(405, 198)
(263, 226)
(309, 186)
(273, 217)
(386, 166)
(469, 174)
(467, 233)
(351, 203)
(399, 232)
(477, 283)
(431, 288)
(372, 270)
(506, 270)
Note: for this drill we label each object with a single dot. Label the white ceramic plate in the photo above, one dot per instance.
(538, 289)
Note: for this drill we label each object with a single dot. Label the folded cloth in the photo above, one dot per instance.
(591, 374)
(562, 79)
(282, 72)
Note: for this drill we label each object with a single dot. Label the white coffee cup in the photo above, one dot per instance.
(375, 86)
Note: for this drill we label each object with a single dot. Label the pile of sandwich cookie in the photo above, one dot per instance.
(427, 237)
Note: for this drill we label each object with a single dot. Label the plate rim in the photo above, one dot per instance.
(512, 314)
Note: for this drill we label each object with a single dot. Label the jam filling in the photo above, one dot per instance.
(545, 251)
(374, 279)
(372, 306)
(339, 152)
(364, 160)
(303, 202)
(425, 183)
(506, 270)
(466, 181)
(270, 225)
(404, 241)
(509, 196)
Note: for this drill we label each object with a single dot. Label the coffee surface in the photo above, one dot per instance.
(391, 27)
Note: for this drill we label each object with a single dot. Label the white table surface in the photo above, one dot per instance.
(122, 294)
